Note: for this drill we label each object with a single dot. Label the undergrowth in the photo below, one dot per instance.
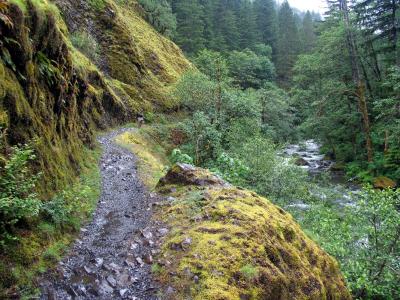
(38, 242)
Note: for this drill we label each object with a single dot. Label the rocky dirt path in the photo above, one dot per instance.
(112, 257)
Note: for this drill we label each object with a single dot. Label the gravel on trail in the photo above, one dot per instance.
(112, 257)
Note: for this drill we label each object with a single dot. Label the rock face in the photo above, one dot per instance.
(230, 243)
(51, 92)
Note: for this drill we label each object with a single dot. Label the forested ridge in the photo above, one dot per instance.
(259, 156)
(340, 72)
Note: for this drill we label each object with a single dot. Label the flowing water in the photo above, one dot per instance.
(335, 186)
(309, 152)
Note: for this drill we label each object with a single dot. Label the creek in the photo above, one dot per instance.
(331, 184)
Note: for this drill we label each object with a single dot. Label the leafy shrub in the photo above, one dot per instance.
(231, 169)
(18, 200)
(68, 208)
(87, 44)
(57, 210)
(178, 157)
(204, 139)
(250, 70)
(269, 174)
(194, 91)
(365, 238)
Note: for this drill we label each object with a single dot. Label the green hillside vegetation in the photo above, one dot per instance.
(244, 219)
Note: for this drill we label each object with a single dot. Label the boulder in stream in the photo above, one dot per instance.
(383, 182)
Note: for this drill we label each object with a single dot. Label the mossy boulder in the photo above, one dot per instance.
(230, 243)
(383, 182)
(301, 162)
(189, 175)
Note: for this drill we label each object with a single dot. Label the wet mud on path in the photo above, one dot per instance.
(112, 257)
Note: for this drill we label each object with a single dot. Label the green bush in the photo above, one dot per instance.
(230, 169)
(87, 44)
(178, 157)
(269, 174)
(69, 208)
(204, 142)
(365, 238)
(18, 200)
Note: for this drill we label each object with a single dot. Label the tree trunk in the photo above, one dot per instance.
(357, 79)
(218, 105)
(386, 150)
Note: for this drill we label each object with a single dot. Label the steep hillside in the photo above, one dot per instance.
(54, 96)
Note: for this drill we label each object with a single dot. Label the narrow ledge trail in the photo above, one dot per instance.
(112, 257)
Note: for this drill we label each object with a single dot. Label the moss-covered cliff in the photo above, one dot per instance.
(53, 95)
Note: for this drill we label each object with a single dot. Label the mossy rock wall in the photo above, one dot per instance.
(141, 61)
(228, 243)
(52, 95)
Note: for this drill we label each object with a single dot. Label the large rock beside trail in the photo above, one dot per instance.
(241, 245)
(187, 174)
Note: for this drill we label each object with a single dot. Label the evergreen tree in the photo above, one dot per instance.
(267, 23)
(288, 46)
(247, 25)
(381, 20)
(190, 20)
(229, 30)
(308, 36)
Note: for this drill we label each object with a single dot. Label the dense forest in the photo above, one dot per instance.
(340, 73)
(294, 106)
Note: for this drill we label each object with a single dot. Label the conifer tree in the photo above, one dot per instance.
(190, 25)
(380, 20)
(247, 25)
(288, 46)
(308, 36)
(267, 23)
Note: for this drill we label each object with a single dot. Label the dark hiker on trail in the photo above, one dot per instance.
(140, 120)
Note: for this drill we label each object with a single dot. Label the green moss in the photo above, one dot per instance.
(242, 246)
(55, 97)
(152, 158)
(249, 272)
